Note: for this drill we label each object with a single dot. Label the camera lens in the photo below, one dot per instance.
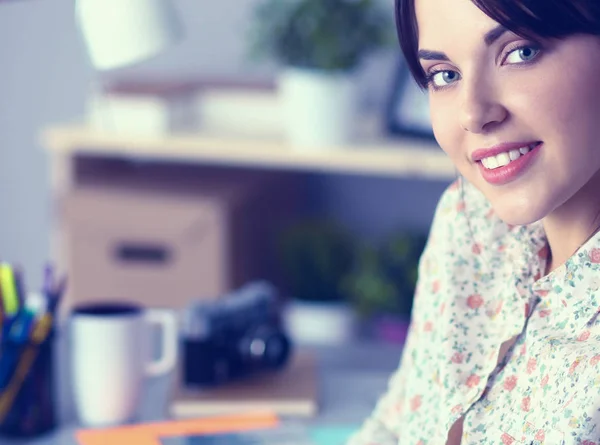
(277, 351)
(266, 347)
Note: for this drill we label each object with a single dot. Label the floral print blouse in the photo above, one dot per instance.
(481, 284)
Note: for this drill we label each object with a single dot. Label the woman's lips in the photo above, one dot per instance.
(511, 171)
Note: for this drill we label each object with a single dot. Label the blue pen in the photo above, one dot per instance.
(17, 332)
(21, 326)
(48, 279)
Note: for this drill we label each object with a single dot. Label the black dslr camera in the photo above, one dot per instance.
(234, 336)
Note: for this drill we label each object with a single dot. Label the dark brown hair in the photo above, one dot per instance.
(531, 19)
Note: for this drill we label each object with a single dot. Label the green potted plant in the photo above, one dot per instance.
(400, 254)
(314, 256)
(320, 44)
(382, 282)
(374, 296)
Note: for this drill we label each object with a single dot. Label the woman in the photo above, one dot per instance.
(504, 346)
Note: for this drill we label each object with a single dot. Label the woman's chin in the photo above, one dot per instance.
(518, 214)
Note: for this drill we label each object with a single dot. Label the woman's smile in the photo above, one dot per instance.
(509, 164)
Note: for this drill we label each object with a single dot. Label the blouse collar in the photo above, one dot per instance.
(574, 285)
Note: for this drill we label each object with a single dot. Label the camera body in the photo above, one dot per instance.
(233, 337)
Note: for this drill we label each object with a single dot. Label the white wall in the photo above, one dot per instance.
(43, 80)
(45, 74)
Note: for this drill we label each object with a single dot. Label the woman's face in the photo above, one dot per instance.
(520, 119)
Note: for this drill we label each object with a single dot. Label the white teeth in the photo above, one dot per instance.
(490, 163)
(503, 159)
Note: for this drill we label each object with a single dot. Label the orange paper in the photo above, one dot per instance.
(151, 433)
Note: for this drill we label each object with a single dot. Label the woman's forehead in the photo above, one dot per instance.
(443, 22)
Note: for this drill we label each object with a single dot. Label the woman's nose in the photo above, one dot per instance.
(480, 109)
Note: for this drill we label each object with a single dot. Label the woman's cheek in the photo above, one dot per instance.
(443, 130)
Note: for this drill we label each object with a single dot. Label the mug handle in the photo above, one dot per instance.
(168, 321)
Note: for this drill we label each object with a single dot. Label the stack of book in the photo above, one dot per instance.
(292, 391)
(158, 108)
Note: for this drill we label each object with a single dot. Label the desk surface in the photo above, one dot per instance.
(364, 367)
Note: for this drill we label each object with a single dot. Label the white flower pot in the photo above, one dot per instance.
(319, 107)
(319, 323)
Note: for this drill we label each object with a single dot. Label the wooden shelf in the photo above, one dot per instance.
(370, 156)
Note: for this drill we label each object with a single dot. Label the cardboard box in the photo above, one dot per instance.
(165, 241)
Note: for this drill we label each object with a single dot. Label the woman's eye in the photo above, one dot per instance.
(443, 78)
(522, 55)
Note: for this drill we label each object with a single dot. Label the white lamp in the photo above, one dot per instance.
(123, 32)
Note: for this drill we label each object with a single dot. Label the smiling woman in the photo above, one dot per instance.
(504, 344)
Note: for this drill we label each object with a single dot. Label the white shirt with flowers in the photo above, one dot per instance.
(480, 284)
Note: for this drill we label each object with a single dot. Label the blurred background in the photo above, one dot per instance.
(274, 141)
(48, 79)
(343, 235)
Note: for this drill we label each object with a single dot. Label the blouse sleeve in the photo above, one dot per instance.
(383, 425)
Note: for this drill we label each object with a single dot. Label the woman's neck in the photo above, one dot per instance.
(572, 224)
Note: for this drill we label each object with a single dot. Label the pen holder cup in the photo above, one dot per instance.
(27, 400)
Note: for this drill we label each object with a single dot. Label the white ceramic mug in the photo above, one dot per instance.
(110, 358)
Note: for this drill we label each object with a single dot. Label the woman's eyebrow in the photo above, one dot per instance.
(494, 34)
(426, 54)
(490, 37)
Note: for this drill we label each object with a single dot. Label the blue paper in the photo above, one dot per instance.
(332, 435)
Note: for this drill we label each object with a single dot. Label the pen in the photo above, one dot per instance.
(2, 317)
(21, 326)
(9, 290)
(19, 286)
(4, 320)
(48, 279)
